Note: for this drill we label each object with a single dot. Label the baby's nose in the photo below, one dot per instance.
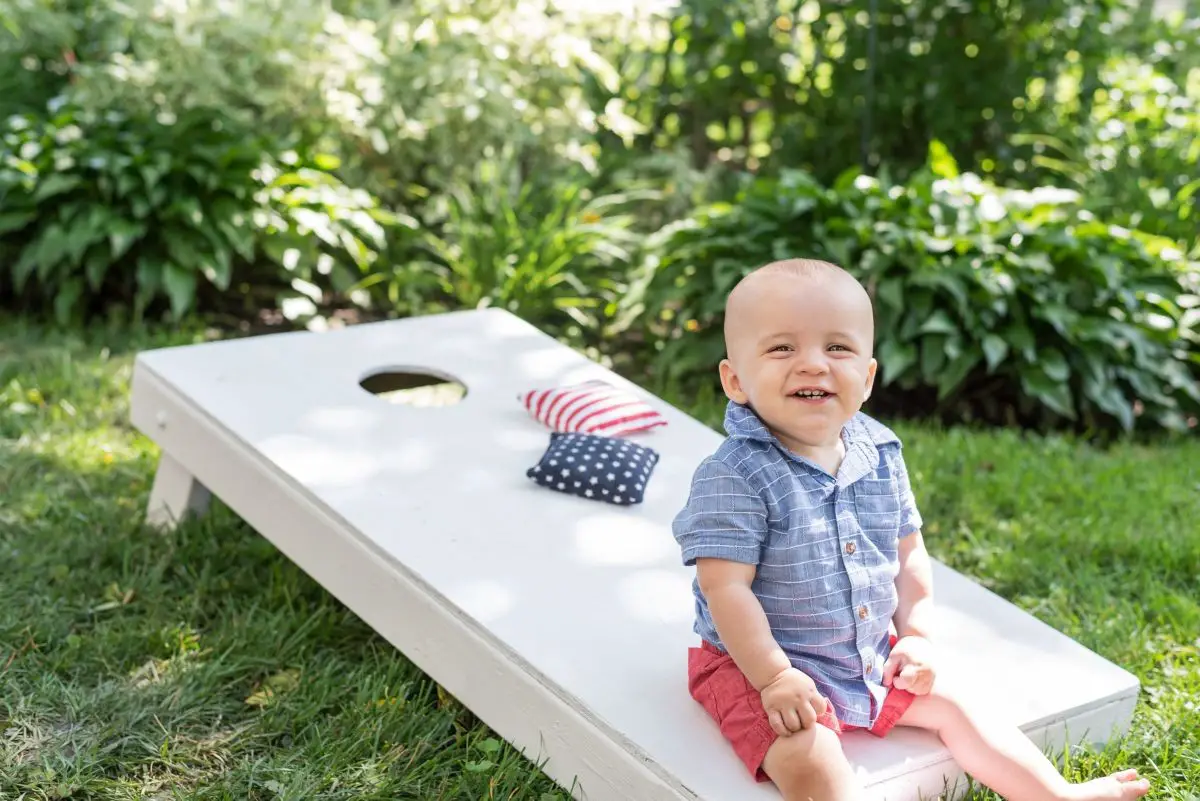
(810, 363)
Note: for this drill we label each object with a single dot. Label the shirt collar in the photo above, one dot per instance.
(862, 454)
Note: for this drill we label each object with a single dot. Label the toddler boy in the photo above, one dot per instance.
(813, 586)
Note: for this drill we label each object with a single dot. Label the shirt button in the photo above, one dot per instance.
(851, 547)
(868, 667)
(862, 612)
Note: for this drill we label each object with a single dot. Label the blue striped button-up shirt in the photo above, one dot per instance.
(825, 548)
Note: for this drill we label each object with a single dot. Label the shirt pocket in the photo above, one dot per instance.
(877, 504)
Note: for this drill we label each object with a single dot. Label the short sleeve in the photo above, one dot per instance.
(724, 517)
(910, 515)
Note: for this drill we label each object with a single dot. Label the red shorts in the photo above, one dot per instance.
(719, 685)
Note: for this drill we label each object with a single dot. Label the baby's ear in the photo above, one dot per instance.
(872, 367)
(730, 383)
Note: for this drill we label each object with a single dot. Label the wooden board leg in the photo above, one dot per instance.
(175, 495)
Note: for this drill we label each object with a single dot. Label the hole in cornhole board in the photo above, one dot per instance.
(415, 388)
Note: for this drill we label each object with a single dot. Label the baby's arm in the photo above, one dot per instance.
(721, 531)
(914, 589)
(740, 619)
(914, 582)
(910, 666)
(789, 697)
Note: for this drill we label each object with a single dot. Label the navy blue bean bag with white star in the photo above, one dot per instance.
(595, 467)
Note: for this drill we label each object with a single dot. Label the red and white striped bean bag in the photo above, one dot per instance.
(593, 407)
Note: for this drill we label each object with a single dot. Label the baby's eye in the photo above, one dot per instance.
(779, 348)
(838, 347)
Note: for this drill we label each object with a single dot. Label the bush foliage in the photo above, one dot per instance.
(1004, 305)
(98, 208)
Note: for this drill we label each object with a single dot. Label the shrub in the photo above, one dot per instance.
(101, 209)
(823, 86)
(1132, 146)
(409, 95)
(551, 251)
(998, 305)
(41, 41)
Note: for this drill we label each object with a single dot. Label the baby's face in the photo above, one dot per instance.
(800, 356)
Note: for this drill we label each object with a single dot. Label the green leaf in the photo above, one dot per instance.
(1109, 397)
(122, 234)
(180, 285)
(1019, 338)
(1055, 395)
(149, 276)
(327, 161)
(142, 207)
(15, 220)
(52, 247)
(956, 371)
(994, 350)
(219, 269)
(26, 264)
(69, 292)
(182, 252)
(1054, 364)
(83, 233)
(242, 239)
(933, 357)
(953, 282)
(187, 209)
(845, 181)
(895, 358)
(941, 163)
(150, 175)
(1062, 318)
(891, 292)
(1145, 385)
(920, 306)
(939, 323)
(127, 184)
(95, 265)
(55, 184)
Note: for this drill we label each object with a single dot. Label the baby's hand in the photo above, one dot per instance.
(910, 666)
(792, 702)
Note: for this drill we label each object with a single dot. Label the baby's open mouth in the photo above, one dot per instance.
(812, 394)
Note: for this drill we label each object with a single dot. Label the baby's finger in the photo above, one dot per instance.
(808, 716)
(777, 724)
(791, 719)
(889, 669)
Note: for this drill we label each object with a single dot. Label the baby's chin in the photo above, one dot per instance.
(811, 429)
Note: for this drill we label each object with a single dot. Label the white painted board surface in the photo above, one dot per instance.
(581, 600)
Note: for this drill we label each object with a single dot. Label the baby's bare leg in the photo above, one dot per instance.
(810, 766)
(1002, 758)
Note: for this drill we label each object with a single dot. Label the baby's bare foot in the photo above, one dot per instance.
(1117, 787)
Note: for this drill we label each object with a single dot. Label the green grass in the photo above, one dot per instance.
(202, 664)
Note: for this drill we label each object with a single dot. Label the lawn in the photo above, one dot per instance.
(202, 664)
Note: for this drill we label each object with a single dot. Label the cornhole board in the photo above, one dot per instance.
(563, 623)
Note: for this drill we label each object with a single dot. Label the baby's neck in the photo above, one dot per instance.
(827, 456)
